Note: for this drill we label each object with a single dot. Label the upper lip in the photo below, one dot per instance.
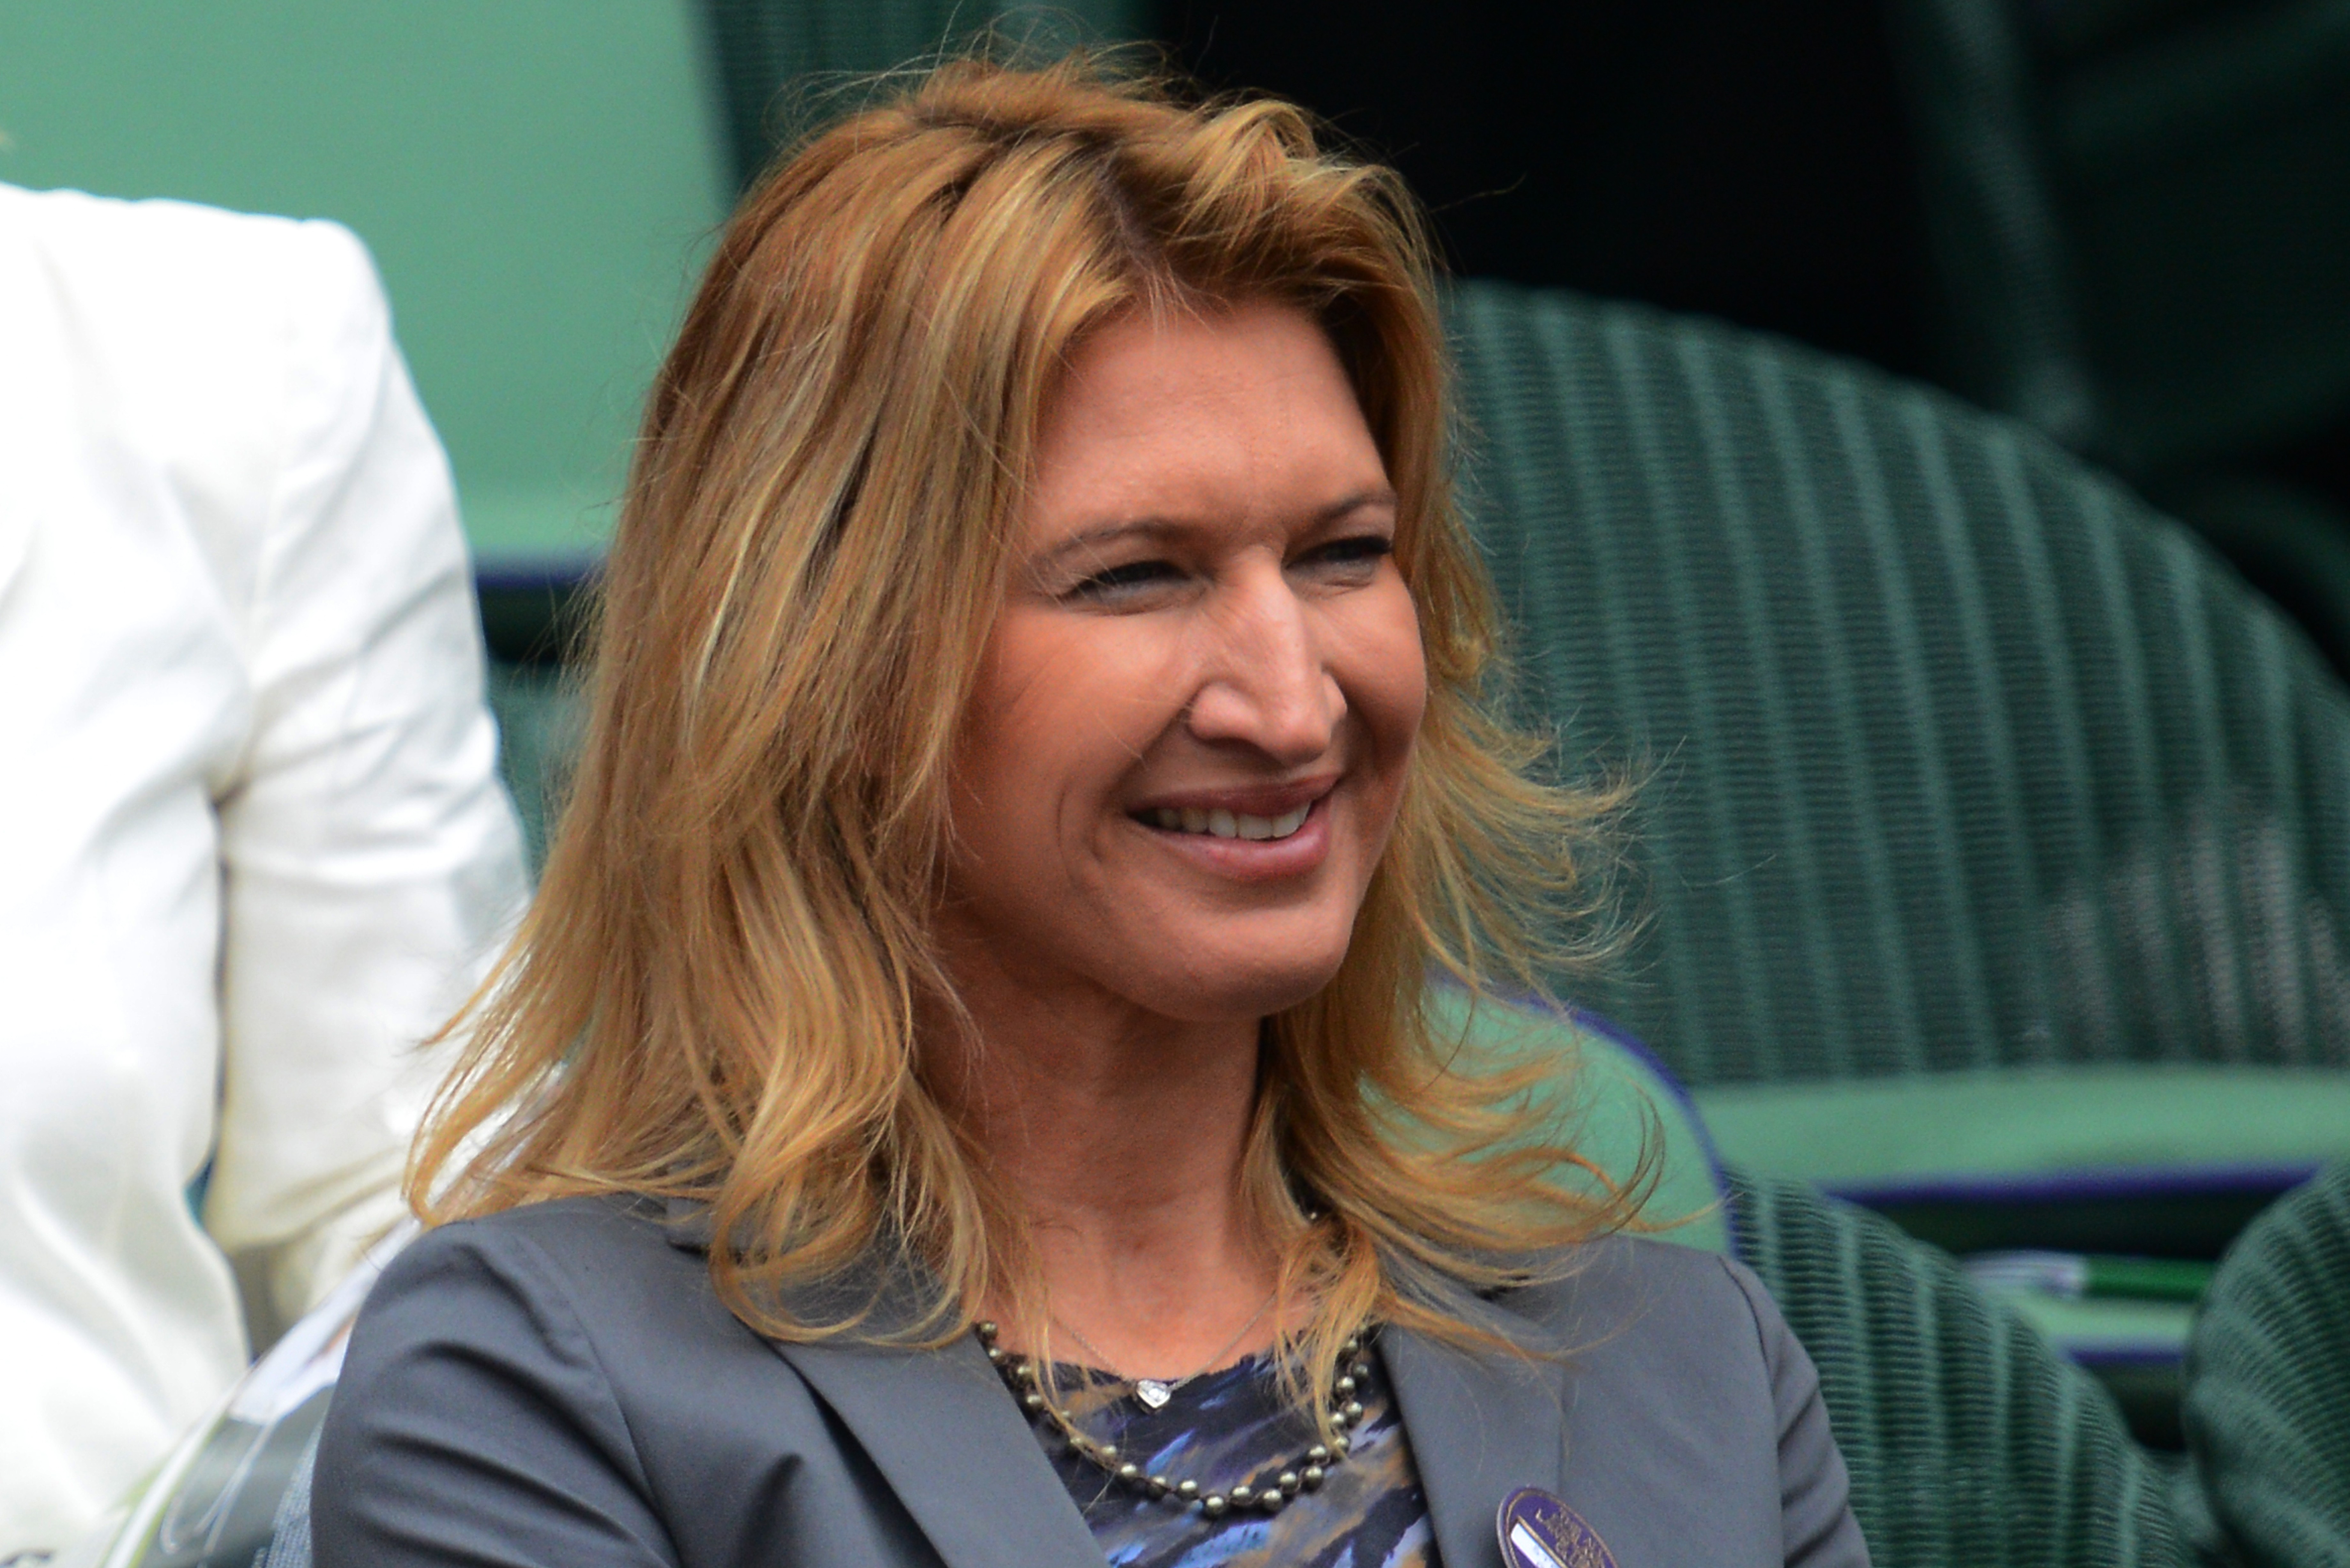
(1243, 800)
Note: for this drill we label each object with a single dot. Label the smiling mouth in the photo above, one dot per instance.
(1221, 824)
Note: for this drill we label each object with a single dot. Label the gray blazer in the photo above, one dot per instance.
(558, 1387)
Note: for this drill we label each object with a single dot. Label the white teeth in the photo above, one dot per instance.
(1224, 824)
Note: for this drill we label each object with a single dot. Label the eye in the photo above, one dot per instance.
(1124, 579)
(1356, 555)
(1359, 547)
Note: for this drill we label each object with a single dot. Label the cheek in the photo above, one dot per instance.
(1386, 678)
(1060, 712)
(995, 759)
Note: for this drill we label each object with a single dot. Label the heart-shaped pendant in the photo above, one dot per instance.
(1152, 1392)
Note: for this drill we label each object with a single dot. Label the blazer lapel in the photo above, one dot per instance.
(939, 1424)
(1480, 1426)
(948, 1439)
(963, 1459)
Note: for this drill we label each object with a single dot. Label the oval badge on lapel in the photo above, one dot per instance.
(1538, 1531)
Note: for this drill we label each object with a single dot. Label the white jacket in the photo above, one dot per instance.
(252, 845)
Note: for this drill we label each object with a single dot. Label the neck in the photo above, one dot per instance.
(1122, 1136)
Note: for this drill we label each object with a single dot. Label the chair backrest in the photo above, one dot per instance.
(1969, 1439)
(1961, 756)
(2268, 1392)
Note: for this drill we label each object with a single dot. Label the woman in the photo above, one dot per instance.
(963, 1093)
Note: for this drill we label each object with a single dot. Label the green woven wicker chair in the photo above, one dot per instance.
(2268, 1399)
(1969, 1439)
(1963, 757)
(1995, 853)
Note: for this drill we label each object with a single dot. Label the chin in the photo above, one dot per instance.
(1248, 986)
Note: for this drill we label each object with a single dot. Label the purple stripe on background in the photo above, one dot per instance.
(554, 575)
(2093, 1184)
(2149, 1354)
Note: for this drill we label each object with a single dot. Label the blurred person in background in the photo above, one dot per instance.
(252, 843)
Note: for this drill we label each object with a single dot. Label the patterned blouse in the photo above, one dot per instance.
(1226, 1429)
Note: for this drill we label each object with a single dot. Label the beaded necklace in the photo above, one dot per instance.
(1305, 1474)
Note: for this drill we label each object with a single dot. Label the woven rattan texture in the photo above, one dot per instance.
(2268, 1392)
(1957, 755)
(1969, 1440)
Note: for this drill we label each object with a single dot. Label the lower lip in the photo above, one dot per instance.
(1256, 859)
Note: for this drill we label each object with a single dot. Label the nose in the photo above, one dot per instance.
(1264, 681)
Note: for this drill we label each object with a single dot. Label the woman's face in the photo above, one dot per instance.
(1193, 722)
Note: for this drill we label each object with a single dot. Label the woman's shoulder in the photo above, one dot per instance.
(605, 1224)
(592, 1232)
(1674, 1350)
(1643, 1311)
(612, 1272)
(1655, 1279)
(561, 1367)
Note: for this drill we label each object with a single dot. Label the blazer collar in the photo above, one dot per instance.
(937, 1424)
(964, 1461)
(959, 1453)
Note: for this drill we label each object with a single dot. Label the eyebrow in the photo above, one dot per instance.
(1163, 527)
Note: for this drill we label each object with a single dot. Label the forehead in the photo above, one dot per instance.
(1233, 413)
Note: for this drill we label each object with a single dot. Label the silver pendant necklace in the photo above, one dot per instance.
(1156, 1391)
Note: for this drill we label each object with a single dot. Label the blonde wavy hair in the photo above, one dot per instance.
(715, 996)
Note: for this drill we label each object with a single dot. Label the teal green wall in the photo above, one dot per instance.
(538, 180)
